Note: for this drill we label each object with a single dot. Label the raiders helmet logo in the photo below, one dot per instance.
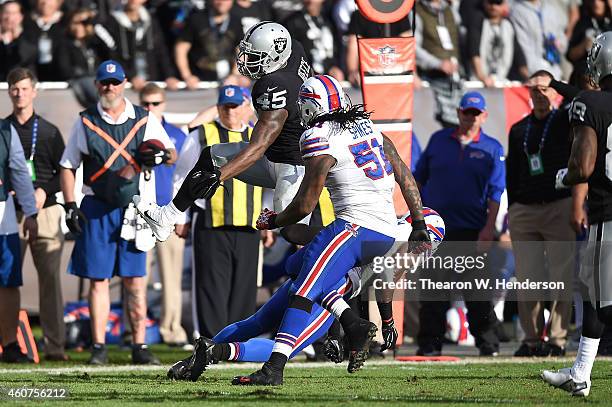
(280, 44)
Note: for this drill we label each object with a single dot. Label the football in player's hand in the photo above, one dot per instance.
(152, 152)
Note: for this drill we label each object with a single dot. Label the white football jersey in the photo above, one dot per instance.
(361, 183)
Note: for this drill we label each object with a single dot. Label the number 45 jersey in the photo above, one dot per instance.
(594, 109)
(361, 182)
(279, 90)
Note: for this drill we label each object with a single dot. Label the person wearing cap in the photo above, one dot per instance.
(116, 141)
(169, 254)
(226, 253)
(210, 113)
(462, 176)
(539, 215)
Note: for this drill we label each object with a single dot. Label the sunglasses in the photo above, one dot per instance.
(145, 104)
(113, 82)
(471, 112)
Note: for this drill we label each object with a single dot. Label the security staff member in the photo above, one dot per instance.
(107, 138)
(538, 146)
(43, 146)
(225, 241)
(462, 177)
(14, 176)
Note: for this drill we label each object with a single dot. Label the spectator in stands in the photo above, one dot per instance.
(15, 49)
(541, 38)
(169, 254)
(437, 56)
(140, 46)
(110, 180)
(206, 50)
(315, 32)
(250, 12)
(493, 49)
(46, 28)
(225, 240)
(360, 27)
(43, 146)
(84, 46)
(14, 175)
(597, 18)
(281, 9)
(461, 174)
(538, 146)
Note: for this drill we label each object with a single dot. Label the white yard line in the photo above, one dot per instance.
(292, 365)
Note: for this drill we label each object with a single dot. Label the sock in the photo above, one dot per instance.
(348, 318)
(99, 346)
(139, 346)
(334, 329)
(587, 351)
(335, 304)
(386, 311)
(223, 351)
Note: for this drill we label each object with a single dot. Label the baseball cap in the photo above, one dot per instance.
(230, 95)
(473, 100)
(110, 69)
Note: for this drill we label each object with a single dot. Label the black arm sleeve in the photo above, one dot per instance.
(564, 89)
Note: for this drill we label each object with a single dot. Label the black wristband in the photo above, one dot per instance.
(419, 225)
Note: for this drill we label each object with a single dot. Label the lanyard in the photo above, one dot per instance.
(34, 137)
(544, 134)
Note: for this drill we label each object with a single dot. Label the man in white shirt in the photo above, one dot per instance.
(14, 176)
(115, 141)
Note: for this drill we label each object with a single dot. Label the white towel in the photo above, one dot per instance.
(134, 227)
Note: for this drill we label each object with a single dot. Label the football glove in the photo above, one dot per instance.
(74, 216)
(203, 184)
(559, 184)
(389, 335)
(266, 220)
(419, 241)
(151, 155)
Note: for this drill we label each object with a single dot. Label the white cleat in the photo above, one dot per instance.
(151, 213)
(562, 379)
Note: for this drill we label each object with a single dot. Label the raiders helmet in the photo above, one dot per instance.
(599, 60)
(265, 48)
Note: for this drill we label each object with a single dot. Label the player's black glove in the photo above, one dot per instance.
(419, 241)
(389, 334)
(152, 154)
(74, 216)
(203, 184)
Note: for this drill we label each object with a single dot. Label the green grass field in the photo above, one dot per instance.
(380, 383)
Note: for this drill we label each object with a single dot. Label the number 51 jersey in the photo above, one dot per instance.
(594, 109)
(361, 182)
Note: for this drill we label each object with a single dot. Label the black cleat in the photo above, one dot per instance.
(141, 355)
(99, 355)
(178, 370)
(12, 354)
(360, 335)
(201, 357)
(333, 348)
(266, 376)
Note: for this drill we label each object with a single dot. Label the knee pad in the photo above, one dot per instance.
(301, 303)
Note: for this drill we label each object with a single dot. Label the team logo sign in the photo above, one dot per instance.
(111, 68)
(387, 55)
(385, 11)
(280, 44)
(229, 92)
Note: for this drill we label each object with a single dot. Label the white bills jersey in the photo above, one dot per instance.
(361, 182)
